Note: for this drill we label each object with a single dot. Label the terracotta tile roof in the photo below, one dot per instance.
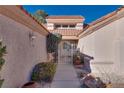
(102, 19)
(106, 17)
(65, 17)
(26, 12)
(67, 32)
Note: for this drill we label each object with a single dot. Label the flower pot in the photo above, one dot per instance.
(31, 84)
(77, 62)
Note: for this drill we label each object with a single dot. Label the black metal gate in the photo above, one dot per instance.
(65, 52)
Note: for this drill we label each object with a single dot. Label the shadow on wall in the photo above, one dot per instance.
(86, 64)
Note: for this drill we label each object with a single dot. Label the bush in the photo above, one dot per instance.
(78, 58)
(1, 82)
(2, 60)
(2, 53)
(52, 44)
(43, 72)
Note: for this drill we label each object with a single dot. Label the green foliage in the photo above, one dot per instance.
(53, 41)
(43, 72)
(2, 50)
(2, 60)
(78, 57)
(52, 44)
(40, 15)
(1, 82)
(2, 53)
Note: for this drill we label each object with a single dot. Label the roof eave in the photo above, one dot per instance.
(20, 15)
(93, 27)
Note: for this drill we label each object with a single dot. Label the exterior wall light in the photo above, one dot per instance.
(31, 36)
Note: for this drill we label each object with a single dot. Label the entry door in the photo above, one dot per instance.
(65, 52)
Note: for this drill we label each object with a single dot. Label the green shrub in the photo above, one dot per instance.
(78, 56)
(1, 82)
(2, 60)
(43, 72)
(52, 42)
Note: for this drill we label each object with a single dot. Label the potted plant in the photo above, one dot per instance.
(76, 60)
(31, 84)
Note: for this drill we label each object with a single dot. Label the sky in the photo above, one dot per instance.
(89, 12)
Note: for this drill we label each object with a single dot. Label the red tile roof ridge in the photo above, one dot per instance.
(67, 32)
(65, 16)
(106, 16)
(101, 19)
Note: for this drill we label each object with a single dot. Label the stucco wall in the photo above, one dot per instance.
(22, 52)
(106, 45)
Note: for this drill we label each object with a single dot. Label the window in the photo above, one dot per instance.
(72, 26)
(57, 26)
(64, 26)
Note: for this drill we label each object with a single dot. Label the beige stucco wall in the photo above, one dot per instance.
(106, 45)
(22, 53)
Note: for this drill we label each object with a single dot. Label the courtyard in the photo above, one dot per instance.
(44, 49)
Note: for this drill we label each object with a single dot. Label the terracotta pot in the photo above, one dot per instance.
(109, 85)
(77, 62)
(31, 84)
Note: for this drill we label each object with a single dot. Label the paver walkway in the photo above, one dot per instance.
(65, 77)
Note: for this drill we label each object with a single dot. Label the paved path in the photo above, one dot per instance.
(65, 77)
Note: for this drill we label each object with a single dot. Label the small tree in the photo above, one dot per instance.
(40, 15)
(2, 60)
(52, 44)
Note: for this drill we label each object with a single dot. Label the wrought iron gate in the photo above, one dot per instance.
(65, 52)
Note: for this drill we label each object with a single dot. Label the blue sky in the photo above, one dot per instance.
(90, 12)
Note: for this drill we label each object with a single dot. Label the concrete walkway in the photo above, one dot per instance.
(65, 77)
